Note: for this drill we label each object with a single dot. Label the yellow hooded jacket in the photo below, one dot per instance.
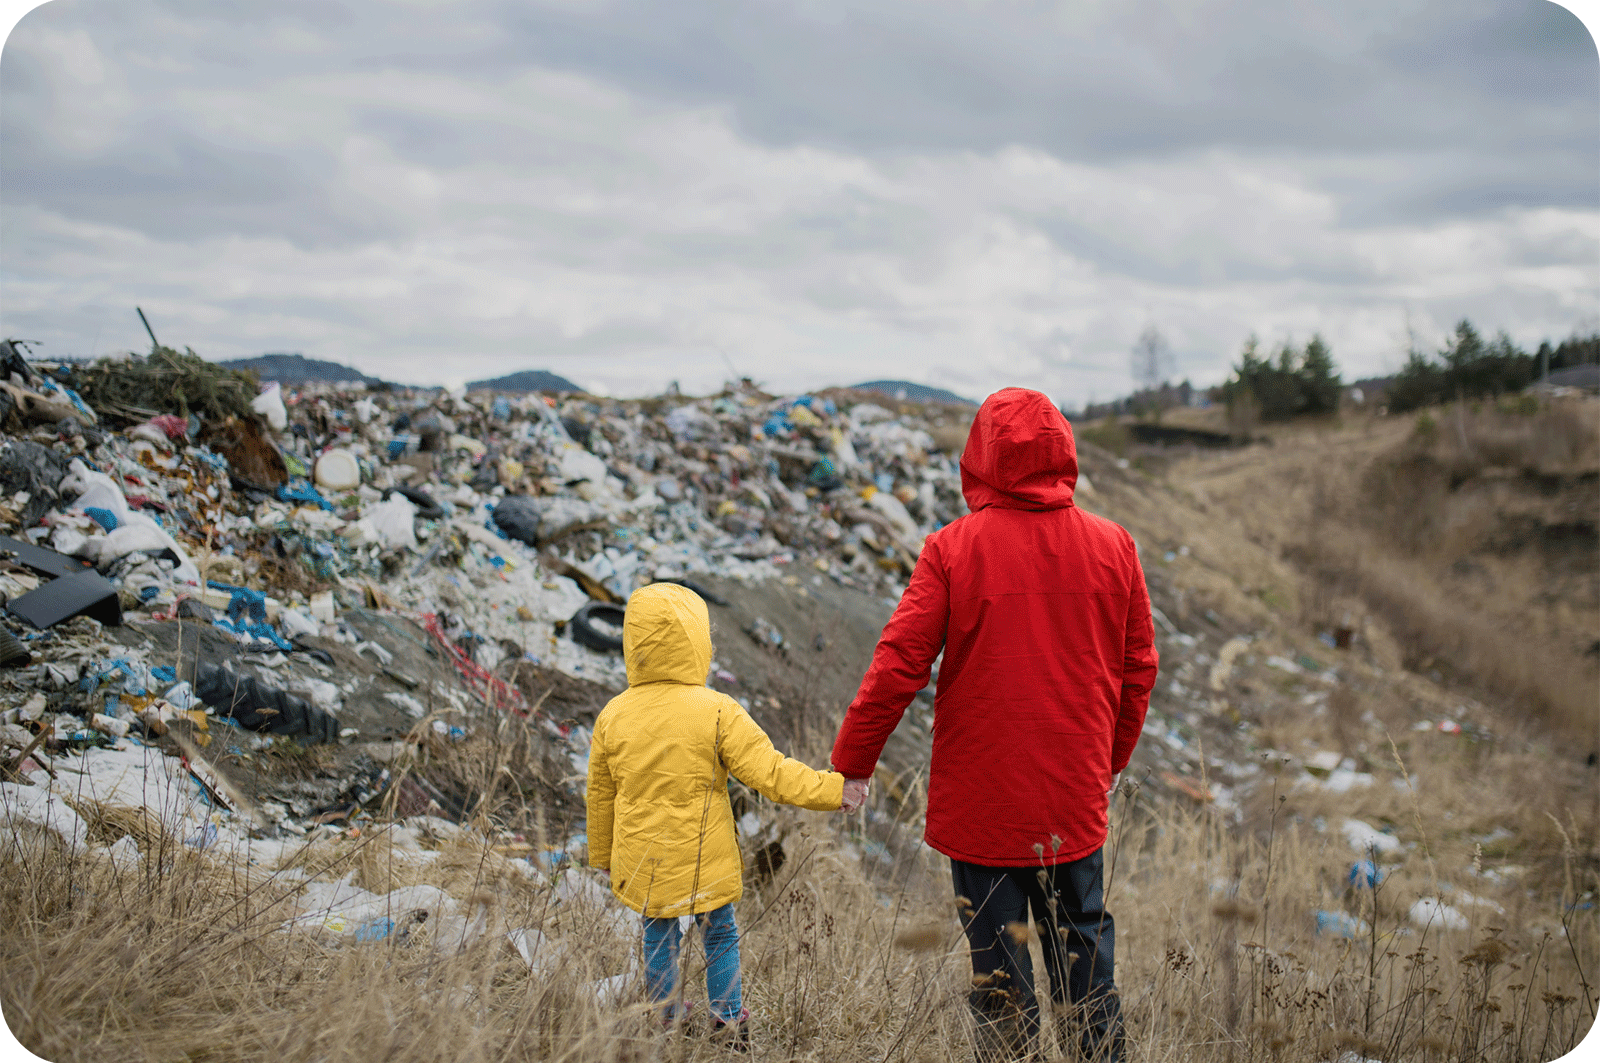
(659, 817)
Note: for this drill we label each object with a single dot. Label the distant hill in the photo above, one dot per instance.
(905, 391)
(297, 369)
(527, 380)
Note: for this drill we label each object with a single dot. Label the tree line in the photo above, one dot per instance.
(1305, 381)
(1467, 367)
(1288, 383)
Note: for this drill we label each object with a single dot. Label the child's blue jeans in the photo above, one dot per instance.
(721, 934)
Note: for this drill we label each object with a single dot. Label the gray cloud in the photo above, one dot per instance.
(953, 191)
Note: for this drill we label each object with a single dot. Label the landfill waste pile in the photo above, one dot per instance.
(256, 615)
(356, 566)
(349, 643)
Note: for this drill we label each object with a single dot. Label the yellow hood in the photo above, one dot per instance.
(666, 636)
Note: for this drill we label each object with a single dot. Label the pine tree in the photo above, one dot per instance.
(1319, 377)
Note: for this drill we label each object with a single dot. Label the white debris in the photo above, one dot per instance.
(1364, 838)
(1432, 912)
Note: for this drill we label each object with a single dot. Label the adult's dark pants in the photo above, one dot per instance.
(1077, 938)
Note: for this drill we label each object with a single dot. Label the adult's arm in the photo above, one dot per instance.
(1139, 663)
(601, 799)
(904, 657)
(751, 758)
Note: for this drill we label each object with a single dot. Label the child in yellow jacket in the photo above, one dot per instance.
(659, 818)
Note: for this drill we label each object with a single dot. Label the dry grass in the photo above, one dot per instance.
(1219, 959)
(1463, 538)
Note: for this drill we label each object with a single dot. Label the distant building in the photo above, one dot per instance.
(1579, 378)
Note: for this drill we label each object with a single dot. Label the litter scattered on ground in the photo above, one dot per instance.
(200, 573)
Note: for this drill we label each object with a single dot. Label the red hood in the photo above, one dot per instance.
(1019, 455)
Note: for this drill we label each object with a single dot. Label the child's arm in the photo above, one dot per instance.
(602, 795)
(750, 757)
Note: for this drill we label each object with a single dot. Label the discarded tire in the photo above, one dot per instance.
(13, 654)
(586, 633)
(255, 706)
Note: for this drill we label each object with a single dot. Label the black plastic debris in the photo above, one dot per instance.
(83, 593)
(195, 609)
(427, 508)
(37, 471)
(519, 516)
(44, 562)
(256, 706)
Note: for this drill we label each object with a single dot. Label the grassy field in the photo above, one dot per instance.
(1481, 942)
(182, 957)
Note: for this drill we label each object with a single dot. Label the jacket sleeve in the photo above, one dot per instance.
(601, 799)
(900, 667)
(751, 758)
(1139, 663)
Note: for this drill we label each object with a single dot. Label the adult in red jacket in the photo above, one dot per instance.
(1043, 617)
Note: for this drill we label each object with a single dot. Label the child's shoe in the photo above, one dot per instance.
(675, 1017)
(735, 1035)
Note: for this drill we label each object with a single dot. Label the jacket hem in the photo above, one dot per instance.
(985, 860)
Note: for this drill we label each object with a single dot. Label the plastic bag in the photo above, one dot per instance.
(395, 520)
(269, 404)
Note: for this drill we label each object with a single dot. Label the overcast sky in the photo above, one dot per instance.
(966, 193)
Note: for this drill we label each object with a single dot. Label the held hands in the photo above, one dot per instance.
(855, 794)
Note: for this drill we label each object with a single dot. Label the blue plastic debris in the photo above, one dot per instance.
(165, 673)
(51, 388)
(1340, 924)
(217, 462)
(301, 491)
(377, 929)
(103, 517)
(247, 615)
(118, 675)
(205, 839)
(1365, 873)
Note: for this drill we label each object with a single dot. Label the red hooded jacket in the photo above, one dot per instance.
(1049, 654)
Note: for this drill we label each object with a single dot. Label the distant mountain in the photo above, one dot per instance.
(527, 380)
(298, 369)
(905, 391)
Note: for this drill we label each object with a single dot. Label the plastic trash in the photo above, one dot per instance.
(1430, 911)
(247, 616)
(338, 470)
(322, 607)
(1365, 838)
(109, 725)
(135, 531)
(85, 593)
(299, 490)
(103, 517)
(181, 697)
(257, 706)
(269, 404)
(1365, 873)
(427, 508)
(45, 562)
(395, 520)
(1341, 925)
(296, 624)
(519, 516)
